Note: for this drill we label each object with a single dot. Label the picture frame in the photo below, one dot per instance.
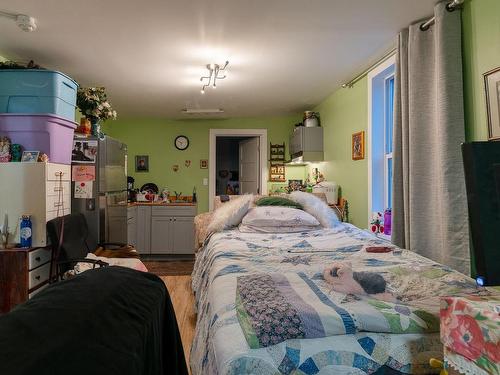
(203, 164)
(358, 146)
(142, 163)
(30, 156)
(492, 90)
(84, 151)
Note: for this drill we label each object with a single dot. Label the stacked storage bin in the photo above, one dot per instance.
(37, 110)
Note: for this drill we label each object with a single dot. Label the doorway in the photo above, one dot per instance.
(238, 162)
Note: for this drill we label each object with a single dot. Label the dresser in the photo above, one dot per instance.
(41, 190)
(23, 273)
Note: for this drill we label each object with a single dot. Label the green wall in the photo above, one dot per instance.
(481, 51)
(155, 137)
(343, 113)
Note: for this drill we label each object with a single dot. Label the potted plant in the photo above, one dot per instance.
(94, 105)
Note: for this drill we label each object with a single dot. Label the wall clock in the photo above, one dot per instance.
(181, 142)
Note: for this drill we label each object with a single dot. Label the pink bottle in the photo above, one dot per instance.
(387, 221)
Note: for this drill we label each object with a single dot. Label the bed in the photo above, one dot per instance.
(265, 307)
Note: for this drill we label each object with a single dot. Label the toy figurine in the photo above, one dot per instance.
(5, 155)
(377, 223)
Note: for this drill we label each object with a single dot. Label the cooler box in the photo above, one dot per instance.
(37, 91)
(50, 134)
(470, 333)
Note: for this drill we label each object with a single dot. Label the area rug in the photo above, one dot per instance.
(170, 268)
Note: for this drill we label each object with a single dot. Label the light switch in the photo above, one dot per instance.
(205, 181)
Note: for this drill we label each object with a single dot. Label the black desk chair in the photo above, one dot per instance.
(68, 236)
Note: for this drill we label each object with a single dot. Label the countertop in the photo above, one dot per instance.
(187, 204)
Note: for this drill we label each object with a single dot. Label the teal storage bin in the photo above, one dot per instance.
(37, 91)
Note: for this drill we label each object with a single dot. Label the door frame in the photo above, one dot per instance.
(214, 133)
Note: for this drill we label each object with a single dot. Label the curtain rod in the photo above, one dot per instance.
(451, 6)
(351, 83)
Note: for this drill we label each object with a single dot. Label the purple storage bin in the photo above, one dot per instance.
(50, 134)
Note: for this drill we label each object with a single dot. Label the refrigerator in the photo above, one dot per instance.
(99, 187)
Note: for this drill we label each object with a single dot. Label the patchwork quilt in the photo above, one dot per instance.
(317, 303)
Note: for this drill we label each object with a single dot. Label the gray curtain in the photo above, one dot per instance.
(429, 201)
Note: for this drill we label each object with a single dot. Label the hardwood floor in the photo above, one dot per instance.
(179, 288)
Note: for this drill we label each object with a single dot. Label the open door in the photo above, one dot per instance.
(249, 166)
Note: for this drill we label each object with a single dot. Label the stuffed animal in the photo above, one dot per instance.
(344, 280)
(5, 155)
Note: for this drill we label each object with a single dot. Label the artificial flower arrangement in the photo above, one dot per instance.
(94, 105)
(377, 223)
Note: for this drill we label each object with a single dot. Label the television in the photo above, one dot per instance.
(482, 181)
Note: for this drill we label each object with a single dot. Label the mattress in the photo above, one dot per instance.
(265, 307)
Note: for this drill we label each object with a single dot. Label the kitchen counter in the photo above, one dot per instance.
(186, 204)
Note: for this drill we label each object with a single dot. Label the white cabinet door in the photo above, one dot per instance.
(161, 238)
(182, 235)
(143, 234)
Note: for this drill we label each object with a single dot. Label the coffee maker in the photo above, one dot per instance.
(131, 193)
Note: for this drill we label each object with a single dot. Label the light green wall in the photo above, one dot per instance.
(481, 51)
(155, 137)
(342, 114)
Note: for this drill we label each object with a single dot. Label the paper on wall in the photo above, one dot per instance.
(83, 173)
(83, 189)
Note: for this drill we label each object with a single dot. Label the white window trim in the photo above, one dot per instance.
(214, 133)
(371, 75)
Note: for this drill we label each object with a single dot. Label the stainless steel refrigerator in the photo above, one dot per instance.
(100, 190)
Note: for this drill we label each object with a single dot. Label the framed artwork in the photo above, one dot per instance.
(142, 163)
(492, 88)
(30, 156)
(203, 164)
(358, 146)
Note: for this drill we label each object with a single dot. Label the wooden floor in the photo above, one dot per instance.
(179, 288)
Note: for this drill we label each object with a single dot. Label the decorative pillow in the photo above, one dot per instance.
(316, 207)
(275, 216)
(278, 201)
(230, 213)
(282, 229)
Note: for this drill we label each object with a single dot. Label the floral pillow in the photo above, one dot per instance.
(276, 216)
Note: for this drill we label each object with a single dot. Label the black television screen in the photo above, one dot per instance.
(482, 180)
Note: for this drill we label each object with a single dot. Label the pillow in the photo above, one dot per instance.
(278, 201)
(316, 207)
(230, 213)
(275, 216)
(282, 229)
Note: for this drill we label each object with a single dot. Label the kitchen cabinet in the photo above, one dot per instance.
(162, 229)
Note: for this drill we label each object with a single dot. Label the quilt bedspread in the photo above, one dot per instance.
(265, 305)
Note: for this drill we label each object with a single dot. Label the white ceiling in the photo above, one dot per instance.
(285, 55)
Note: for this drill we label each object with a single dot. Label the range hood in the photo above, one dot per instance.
(306, 145)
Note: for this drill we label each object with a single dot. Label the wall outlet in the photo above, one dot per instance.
(205, 182)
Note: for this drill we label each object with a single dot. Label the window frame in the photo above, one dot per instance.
(374, 76)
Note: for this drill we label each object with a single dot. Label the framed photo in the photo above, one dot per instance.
(142, 163)
(358, 146)
(492, 88)
(203, 164)
(84, 151)
(30, 156)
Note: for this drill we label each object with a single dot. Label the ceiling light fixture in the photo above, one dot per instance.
(25, 22)
(215, 72)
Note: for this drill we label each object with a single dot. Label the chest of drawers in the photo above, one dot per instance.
(23, 273)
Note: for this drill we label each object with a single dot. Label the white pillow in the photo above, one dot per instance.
(278, 216)
(230, 213)
(316, 207)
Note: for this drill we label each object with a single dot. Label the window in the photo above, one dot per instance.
(380, 131)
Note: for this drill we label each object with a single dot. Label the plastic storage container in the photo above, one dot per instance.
(50, 134)
(37, 91)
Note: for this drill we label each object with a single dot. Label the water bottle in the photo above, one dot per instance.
(26, 232)
(387, 221)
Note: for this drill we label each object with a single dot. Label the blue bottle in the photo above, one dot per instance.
(26, 232)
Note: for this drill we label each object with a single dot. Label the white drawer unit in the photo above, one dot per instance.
(41, 190)
(38, 276)
(38, 257)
